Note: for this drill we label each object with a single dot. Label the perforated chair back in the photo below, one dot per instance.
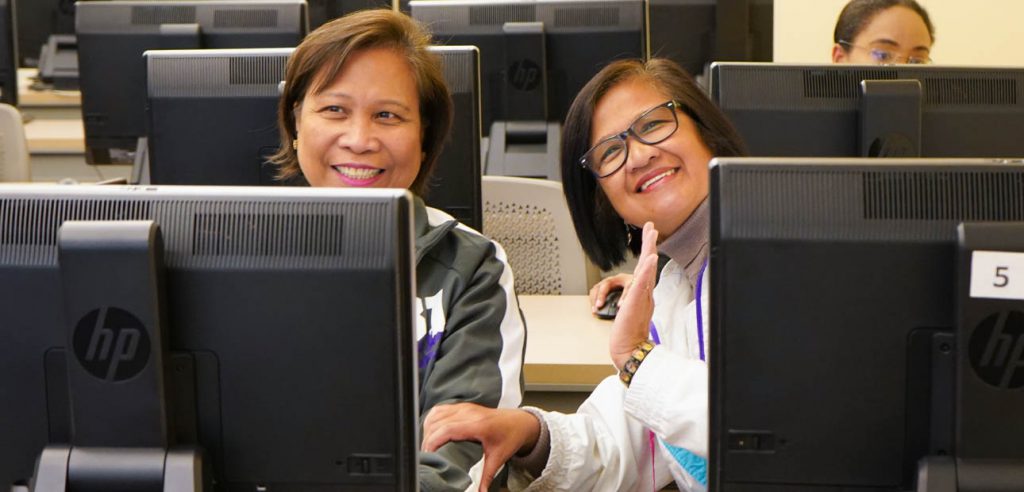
(530, 219)
(13, 148)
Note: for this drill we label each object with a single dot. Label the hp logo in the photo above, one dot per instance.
(997, 350)
(524, 75)
(111, 344)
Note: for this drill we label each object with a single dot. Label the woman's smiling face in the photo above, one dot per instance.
(662, 183)
(363, 129)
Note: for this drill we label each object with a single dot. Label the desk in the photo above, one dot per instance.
(46, 104)
(56, 150)
(566, 351)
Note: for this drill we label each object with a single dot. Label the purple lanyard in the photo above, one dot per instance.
(700, 315)
(700, 310)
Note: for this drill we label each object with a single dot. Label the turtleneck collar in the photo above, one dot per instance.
(688, 245)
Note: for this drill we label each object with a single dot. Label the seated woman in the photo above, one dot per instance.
(883, 32)
(635, 151)
(365, 105)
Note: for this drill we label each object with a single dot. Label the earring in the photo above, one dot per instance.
(629, 234)
(295, 144)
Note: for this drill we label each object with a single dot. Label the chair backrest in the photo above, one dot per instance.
(530, 219)
(13, 148)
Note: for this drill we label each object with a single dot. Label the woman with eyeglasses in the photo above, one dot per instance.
(635, 152)
(883, 32)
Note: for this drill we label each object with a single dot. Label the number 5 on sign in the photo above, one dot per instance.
(997, 275)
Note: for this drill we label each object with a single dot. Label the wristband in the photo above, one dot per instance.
(631, 365)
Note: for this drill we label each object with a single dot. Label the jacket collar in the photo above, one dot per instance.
(428, 235)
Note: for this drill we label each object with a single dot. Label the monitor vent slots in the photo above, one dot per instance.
(953, 196)
(841, 85)
(264, 234)
(28, 229)
(496, 15)
(163, 14)
(963, 90)
(586, 17)
(256, 70)
(244, 18)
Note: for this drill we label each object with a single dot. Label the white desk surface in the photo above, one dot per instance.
(566, 346)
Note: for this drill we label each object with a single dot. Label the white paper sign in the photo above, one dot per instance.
(997, 275)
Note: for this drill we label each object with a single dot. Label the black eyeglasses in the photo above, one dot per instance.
(650, 128)
(884, 56)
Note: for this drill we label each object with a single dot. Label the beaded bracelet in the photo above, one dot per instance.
(631, 365)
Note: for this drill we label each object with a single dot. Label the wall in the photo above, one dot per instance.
(975, 32)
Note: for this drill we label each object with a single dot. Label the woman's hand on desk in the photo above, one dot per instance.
(599, 292)
(632, 324)
(502, 432)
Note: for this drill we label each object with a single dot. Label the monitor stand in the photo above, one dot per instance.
(122, 437)
(890, 118)
(58, 62)
(524, 148)
(989, 430)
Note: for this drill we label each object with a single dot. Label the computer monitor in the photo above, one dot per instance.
(37, 21)
(113, 35)
(8, 54)
(455, 186)
(211, 115)
(272, 328)
(321, 11)
(874, 111)
(835, 322)
(693, 33)
(535, 57)
(212, 120)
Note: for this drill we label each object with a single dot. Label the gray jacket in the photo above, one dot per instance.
(471, 335)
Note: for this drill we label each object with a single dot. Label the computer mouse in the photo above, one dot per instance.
(611, 305)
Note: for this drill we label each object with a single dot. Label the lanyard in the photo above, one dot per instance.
(700, 341)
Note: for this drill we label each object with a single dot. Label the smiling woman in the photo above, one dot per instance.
(365, 105)
(635, 151)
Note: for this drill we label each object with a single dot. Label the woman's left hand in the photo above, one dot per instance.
(632, 323)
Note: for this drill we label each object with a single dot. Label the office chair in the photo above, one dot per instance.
(530, 219)
(13, 148)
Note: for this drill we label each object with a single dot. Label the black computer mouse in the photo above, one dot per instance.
(611, 305)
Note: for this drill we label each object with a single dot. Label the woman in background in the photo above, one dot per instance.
(635, 151)
(883, 32)
(365, 105)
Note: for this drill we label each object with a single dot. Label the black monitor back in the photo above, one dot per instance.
(321, 11)
(113, 35)
(8, 54)
(834, 298)
(277, 368)
(212, 115)
(816, 110)
(37, 20)
(580, 37)
(455, 186)
(693, 33)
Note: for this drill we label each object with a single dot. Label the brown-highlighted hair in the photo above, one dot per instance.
(322, 54)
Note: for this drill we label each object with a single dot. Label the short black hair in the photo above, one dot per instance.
(600, 229)
(856, 15)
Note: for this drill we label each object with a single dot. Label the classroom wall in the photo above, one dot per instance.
(975, 32)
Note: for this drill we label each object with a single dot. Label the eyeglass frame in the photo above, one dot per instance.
(624, 135)
(926, 60)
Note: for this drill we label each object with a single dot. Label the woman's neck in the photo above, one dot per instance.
(688, 245)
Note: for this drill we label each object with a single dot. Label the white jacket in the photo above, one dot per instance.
(606, 444)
